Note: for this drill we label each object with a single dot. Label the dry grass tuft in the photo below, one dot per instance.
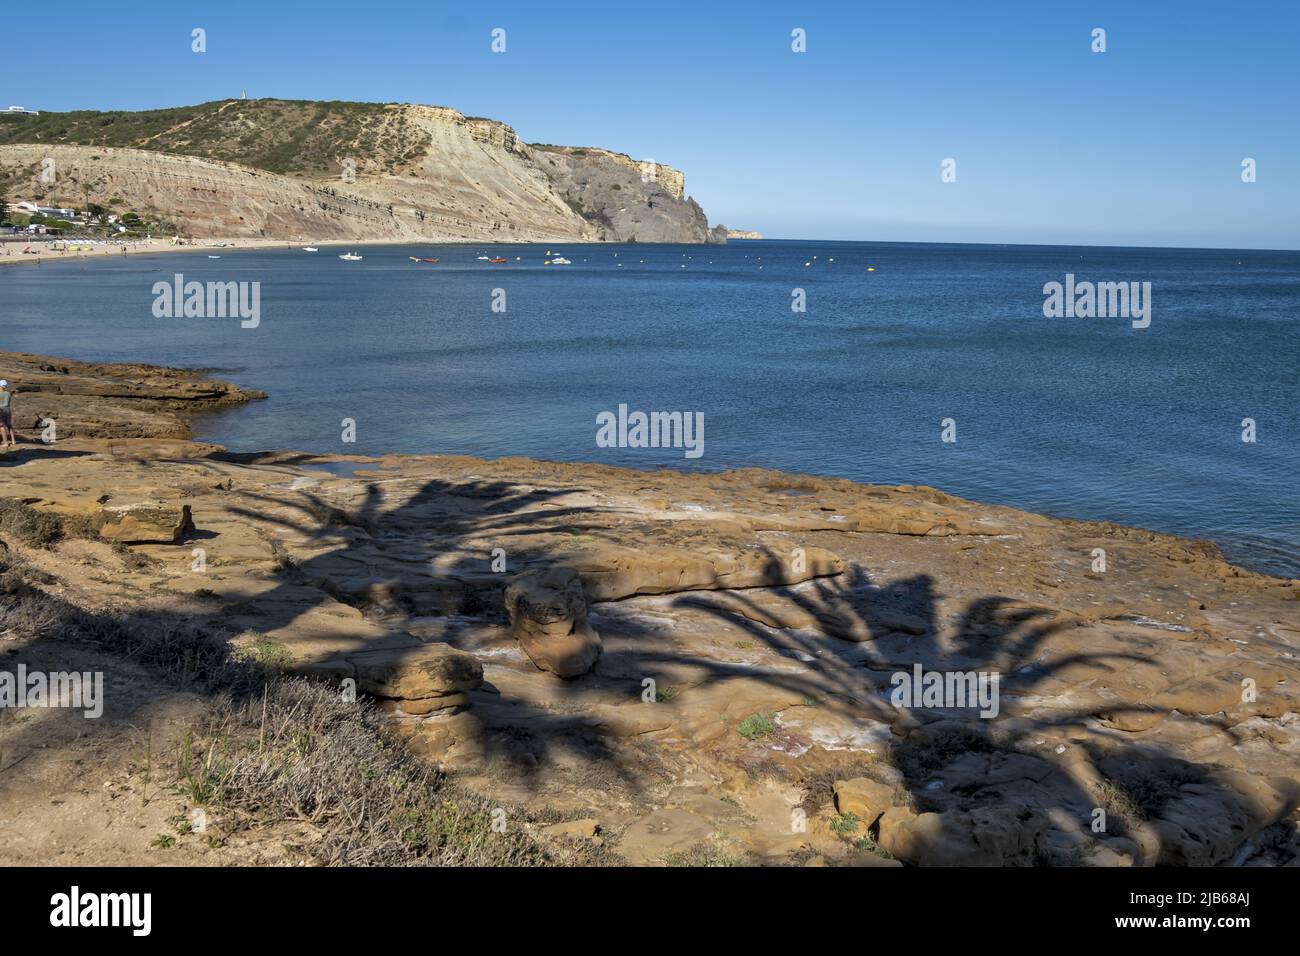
(274, 749)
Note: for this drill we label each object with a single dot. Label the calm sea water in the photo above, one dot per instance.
(1086, 418)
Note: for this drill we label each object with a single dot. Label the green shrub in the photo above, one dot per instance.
(756, 726)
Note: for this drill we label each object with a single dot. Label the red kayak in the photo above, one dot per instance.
(498, 261)
(429, 260)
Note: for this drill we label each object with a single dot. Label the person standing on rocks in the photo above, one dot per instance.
(6, 417)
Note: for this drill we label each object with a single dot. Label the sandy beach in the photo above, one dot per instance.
(46, 251)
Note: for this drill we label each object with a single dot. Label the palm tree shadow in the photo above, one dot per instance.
(856, 634)
(441, 518)
(867, 640)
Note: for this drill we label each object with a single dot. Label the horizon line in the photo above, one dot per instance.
(1024, 245)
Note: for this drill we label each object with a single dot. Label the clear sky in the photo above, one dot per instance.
(1140, 145)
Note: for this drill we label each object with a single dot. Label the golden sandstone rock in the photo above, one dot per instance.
(863, 797)
(549, 615)
(134, 522)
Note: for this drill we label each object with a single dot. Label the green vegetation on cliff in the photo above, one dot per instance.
(303, 137)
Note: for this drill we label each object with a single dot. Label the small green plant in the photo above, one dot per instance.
(868, 842)
(181, 824)
(163, 841)
(844, 826)
(756, 726)
(266, 652)
(203, 779)
(665, 693)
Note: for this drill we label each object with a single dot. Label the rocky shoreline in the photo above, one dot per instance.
(702, 668)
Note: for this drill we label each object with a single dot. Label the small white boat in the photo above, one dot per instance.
(214, 257)
(483, 257)
(310, 249)
(559, 261)
(350, 257)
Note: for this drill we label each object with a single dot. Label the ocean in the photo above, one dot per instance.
(897, 346)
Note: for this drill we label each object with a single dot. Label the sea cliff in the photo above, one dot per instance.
(284, 169)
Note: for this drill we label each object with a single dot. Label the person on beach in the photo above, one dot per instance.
(6, 417)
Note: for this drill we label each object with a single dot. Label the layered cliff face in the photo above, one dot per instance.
(632, 201)
(288, 169)
(209, 198)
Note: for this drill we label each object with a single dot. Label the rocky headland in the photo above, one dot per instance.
(644, 667)
(321, 171)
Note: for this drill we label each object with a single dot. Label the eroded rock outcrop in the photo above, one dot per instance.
(140, 522)
(548, 615)
(423, 680)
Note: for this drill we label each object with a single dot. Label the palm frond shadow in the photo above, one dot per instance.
(865, 634)
(853, 633)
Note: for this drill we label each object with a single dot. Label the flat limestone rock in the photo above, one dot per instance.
(114, 401)
(619, 573)
(999, 835)
(926, 520)
(1207, 820)
(588, 828)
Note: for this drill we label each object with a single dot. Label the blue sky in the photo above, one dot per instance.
(1139, 145)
